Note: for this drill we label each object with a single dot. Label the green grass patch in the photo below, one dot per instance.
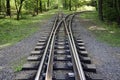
(111, 32)
(12, 31)
(17, 65)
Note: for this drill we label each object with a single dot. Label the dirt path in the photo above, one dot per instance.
(106, 58)
(13, 54)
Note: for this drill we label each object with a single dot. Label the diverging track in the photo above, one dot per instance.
(59, 56)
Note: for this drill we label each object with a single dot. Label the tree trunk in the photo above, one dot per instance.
(65, 4)
(40, 6)
(70, 5)
(18, 8)
(0, 5)
(18, 15)
(8, 12)
(118, 11)
(37, 7)
(48, 3)
(100, 9)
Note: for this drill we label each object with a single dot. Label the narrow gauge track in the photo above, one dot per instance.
(56, 57)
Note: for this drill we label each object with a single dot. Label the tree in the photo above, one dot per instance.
(110, 10)
(48, 3)
(0, 5)
(2, 8)
(100, 9)
(8, 12)
(31, 6)
(18, 5)
(118, 10)
(36, 8)
(70, 5)
(41, 6)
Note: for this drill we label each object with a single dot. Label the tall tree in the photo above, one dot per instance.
(100, 9)
(64, 4)
(18, 4)
(117, 7)
(70, 5)
(0, 6)
(41, 6)
(8, 12)
(48, 3)
(37, 7)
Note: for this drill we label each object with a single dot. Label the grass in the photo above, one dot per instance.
(110, 32)
(17, 65)
(12, 31)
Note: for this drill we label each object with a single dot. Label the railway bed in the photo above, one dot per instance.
(58, 55)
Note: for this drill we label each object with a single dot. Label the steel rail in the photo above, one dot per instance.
(79, 68)
(50, 60)
(48, 75)
(81, 72)
(45, 52)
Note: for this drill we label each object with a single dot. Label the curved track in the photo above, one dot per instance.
(58, 56)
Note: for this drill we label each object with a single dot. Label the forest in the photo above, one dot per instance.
(107, 9)
(22, 16)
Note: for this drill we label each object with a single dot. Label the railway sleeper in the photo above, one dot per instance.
(31, 65)
(83, 53)
(63, 75)
(61, 43)
(42, 40)
(60, 40)
(40, 43)
(65, 58)
(80, 44)
(36, 52)
(79, 40)
(85, 59)
(44, 37)
(39, 48)
(34, 58)
(61, 47)
(67, 52)
(92, 76)
(89, 67)
(81, 48)
(26, 75)
(66, 66)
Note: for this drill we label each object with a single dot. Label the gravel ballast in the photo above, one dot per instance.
(106, 58)
(12, 54)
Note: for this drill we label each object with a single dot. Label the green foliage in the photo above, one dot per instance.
(110, 14)
(30, 5)
(2, 5)
(110, 11)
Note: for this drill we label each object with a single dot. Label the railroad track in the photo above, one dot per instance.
(59, 56)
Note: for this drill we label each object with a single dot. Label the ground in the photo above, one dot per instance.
(105, 57)
(14, 56)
